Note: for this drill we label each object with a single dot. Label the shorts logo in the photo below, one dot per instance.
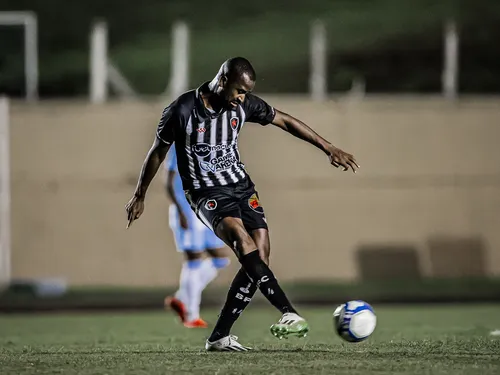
(235, 121)
(254, 204)
(211, 204)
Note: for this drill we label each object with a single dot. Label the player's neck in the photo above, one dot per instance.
(212, 101)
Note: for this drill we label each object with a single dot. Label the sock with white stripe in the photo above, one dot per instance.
(240, 294)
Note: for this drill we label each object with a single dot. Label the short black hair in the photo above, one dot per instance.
(235, 67)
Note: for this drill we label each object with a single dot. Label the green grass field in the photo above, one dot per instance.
(408, 340)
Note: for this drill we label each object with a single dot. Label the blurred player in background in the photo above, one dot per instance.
(195, 240)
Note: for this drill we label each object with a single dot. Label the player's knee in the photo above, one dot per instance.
(235, 234)
(264, 256)
(221, 262)
(193, 255)
(244, 244)
(264, 252)
(261, 238)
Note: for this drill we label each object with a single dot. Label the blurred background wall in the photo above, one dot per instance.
(409, 87)
(430, 171)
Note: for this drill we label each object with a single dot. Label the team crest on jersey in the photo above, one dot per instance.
(235, 121)
(254, 204)
(211, 204)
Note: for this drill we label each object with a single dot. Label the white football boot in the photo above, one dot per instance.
(226, 344)
(290, 324)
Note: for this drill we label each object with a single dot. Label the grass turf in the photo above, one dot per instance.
(408, 340)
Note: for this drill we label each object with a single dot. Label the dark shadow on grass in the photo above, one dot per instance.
(189, 351)
(295, 350)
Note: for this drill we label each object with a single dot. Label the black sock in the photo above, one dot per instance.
(240, 293)
(266, 282)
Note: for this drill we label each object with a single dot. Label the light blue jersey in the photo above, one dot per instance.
(197, 237)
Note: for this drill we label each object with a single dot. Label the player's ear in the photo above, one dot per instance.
(223, 81)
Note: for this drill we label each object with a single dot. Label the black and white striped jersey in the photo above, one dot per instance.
(207, 142)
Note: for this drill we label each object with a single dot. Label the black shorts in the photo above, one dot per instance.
(239, 200)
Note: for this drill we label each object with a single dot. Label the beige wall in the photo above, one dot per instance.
(428, 169)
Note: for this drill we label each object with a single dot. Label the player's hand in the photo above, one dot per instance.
(183, 221)
(339, 158)
(134, 208)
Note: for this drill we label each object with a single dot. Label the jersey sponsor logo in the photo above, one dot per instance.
(235, 121)
(204, 149)
(254, 204)
(211, 204)
(201, 130)
(219, 164)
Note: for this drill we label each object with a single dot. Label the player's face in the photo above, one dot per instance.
(234, 91)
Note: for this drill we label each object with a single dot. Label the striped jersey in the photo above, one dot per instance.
(206, 141)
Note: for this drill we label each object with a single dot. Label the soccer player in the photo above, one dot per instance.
(205, 124)
(194, 239)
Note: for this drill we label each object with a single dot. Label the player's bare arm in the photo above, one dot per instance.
(300, 130)
(171, 194)
(154, 158)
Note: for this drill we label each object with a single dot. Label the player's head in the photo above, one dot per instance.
(235, 79)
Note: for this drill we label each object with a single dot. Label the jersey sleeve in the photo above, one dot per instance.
(171, 160)
(257, 110)
(168, 122)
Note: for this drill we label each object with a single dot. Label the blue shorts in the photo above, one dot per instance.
(197, 237)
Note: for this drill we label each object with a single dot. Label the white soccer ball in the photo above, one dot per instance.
(354, 321)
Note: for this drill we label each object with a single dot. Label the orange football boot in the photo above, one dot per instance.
(197, 323)
(177, 306)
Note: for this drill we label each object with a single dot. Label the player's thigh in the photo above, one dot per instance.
(214, 205)
(252, 212)
(232, 231)
(254, 220)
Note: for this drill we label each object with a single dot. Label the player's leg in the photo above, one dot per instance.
(222, 212)
(210, 266)
(233, 231)
(186, 301)
(252, 214)
(211, 208)
(183, 302)
(261, 239)
(241, 291)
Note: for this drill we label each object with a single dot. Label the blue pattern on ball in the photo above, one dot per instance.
(343, 321)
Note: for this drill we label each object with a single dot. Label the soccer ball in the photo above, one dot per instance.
(354, 321)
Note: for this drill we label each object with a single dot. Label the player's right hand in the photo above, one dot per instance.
(183, 221)
(134, 208)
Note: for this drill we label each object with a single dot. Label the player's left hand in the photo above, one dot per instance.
(339, 158)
